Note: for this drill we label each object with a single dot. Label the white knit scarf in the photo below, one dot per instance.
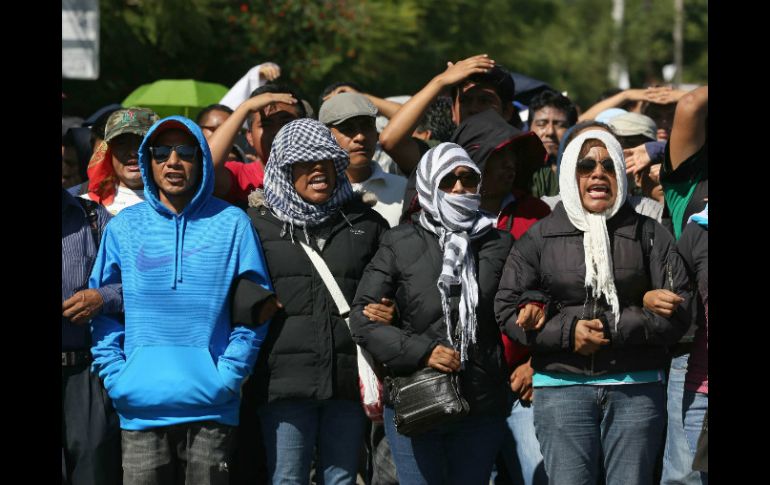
(456, 220)
(596, 240)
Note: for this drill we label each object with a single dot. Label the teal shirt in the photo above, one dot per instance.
(551, 379)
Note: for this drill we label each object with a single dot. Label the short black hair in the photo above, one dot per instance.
(498, 78)
(438, 119)
(212, 107)
(331, 87)
(553, 99)
(277, 88)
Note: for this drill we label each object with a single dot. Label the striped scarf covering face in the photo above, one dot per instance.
(596, 240)
(456, 220)
(304, 140)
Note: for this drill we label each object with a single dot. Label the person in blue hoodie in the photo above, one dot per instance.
(174, 365)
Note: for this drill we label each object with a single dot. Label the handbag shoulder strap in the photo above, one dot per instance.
(329, 281)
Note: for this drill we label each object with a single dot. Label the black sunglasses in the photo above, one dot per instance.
(161, 153)
(587, 165)
(469, 180)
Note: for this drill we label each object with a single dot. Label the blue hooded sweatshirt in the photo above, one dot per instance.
(177, 358)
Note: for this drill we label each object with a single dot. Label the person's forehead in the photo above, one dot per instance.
(550, 112)
(598, 151)
(362, 120)
(504, 154)
(308, 165)
(174, 137)
(215, 115)
(478, 89)
(125, 139)
(278, 110)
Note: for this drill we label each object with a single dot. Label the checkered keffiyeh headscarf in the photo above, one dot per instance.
(304, 140)
(456, 220)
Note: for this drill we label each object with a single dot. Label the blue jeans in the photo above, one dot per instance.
(194, 453)
(677, 457)
(460, 453)
(292, 429)
(521, 450)
(694, 408)
(621, 425)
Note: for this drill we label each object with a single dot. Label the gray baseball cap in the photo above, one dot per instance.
(344, 106)
(632, 124)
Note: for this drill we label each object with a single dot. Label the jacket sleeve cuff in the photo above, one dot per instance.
(608, 322)
(110, 374)
(418, 350)
(570, 344)
(230, 376)
(248, 299)
(656, 150)
(536, 298)
(112, 298)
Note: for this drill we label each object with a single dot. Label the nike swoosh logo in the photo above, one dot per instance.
(147, 263)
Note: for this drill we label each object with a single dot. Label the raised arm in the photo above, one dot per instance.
(688, 134)
(404, 352)
(221, 140)
(396, 138)
(657, 95)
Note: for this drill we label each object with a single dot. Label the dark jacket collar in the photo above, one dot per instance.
(622, 224)
(354, 210)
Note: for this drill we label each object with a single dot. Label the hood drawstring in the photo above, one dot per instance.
(181, 248)
(178, 249)
(176, 252)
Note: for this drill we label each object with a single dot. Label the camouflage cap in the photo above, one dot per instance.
(136, 121)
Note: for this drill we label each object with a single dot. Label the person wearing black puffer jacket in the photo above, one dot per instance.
(305, 380)
(451, 250)
(587, 289)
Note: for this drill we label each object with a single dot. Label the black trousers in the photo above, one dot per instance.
(90, 430)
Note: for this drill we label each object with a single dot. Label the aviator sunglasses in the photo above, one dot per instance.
(586, 166)
(161, 153)
(469, 180)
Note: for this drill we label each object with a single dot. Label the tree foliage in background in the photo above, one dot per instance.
(388, 46)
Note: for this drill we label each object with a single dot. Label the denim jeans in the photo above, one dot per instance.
(461, 453)
(521, 450)
(193, 453)
(292, 429)
(677, 457)
(621, 425)
(694, 408)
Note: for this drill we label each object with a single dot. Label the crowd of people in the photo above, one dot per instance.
(222, 278)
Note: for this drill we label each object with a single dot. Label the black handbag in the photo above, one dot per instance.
(428, 398)
(425, 400)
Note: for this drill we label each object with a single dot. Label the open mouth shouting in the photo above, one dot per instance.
(318, 182)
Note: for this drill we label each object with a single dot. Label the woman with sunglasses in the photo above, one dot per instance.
(574, 289)
(453, 251)
(305, 381)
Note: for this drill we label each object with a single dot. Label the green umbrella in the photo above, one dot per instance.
(168, 97)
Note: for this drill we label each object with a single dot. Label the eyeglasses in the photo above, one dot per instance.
(586, 166)
(163, 152)
(469, 180)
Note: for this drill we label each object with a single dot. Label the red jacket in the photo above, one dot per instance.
(516, 218)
